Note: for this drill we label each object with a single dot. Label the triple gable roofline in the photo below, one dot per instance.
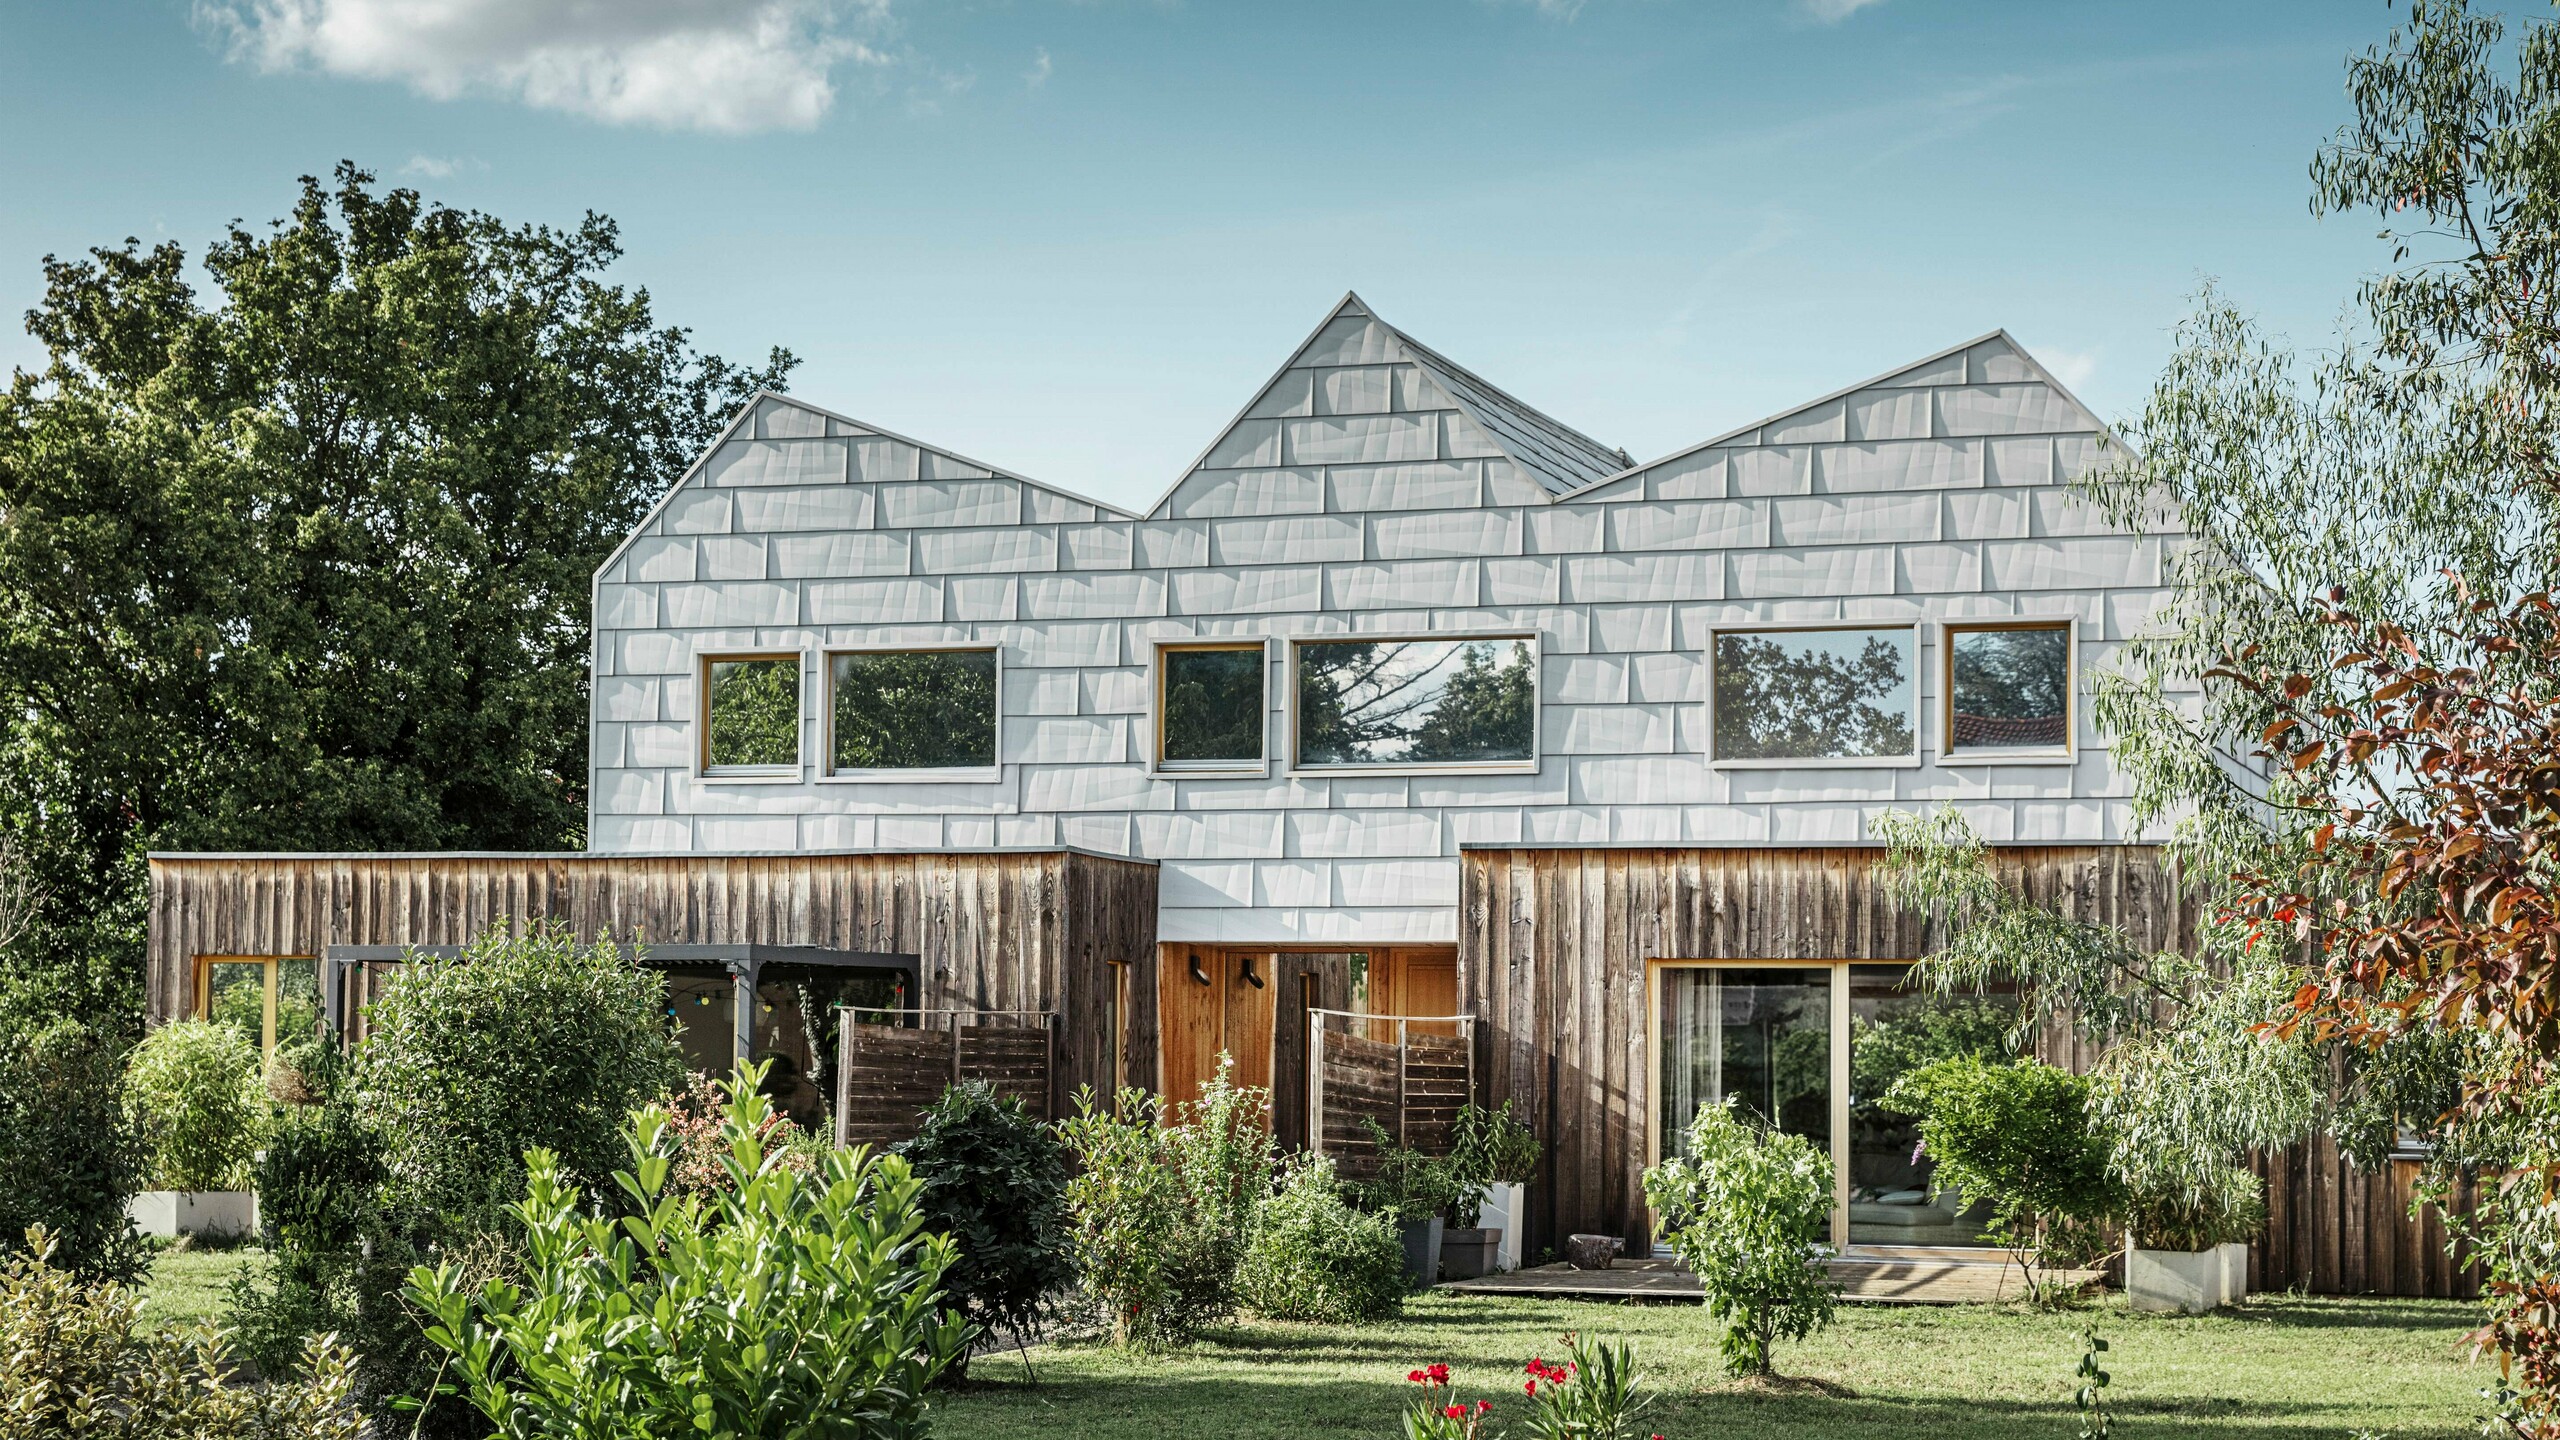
(1443, 372)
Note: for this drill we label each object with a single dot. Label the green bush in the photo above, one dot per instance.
(1747, 1210)
(1160, 1212)
(73, 1162)
(75, 1361)
(995, 1181)
(788, 1305)
(2019, 1135)
(1311, 1256)
(2228, 1212)
(521, 1044)
(1409, 1186)
(1487, 1147)
(193, 1092)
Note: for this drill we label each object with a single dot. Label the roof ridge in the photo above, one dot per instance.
(1470, 391)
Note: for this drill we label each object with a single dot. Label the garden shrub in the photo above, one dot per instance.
(697, 1139)
(781, 1305)
(193, 1093)
(62, 1119)
(1747, 1210)
(2228, 1212)
(1408, 1186)
(995, 1181)
(1590, 1396)
(1160, 1212)
(1487, 1147)
(75, 1361)
(2019, 1135)
(523, 1043)
(1311, 1256)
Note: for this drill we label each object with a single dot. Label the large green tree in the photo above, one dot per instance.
(300, 558)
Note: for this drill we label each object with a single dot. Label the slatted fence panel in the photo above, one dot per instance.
(891, 1073)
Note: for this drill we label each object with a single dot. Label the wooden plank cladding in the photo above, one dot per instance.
(994, 930)
(891, 1073)
(1553, 947)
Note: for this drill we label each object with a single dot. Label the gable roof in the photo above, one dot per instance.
(1561, 457)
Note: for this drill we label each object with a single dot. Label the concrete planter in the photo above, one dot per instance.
(1469, 1254)
(1505, 1209)
(1422, 1250)
(212, 1214)
(2192, 1281)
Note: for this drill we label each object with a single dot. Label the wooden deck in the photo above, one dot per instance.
(1868, 1276)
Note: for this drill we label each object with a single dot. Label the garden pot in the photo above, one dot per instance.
(1502, 1208)
(2235, 1271)
(2174, 1280)
(1469, 1254)
(1421, 1250)
(1591, 1252)
(211, 1214)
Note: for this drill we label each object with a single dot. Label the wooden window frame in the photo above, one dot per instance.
(1537, 705)
(924, 775)
(703, 769)
(271, 969)
(1912, 761)
(1948, 754)
(1257, 768)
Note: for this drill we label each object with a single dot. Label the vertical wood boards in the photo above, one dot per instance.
(1037, 930)
(1553, 945)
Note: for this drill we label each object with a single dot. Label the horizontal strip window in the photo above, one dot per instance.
(913, 712)
(1835, 694)
(750, 716)
(1467, 703)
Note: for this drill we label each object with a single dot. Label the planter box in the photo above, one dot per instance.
(2192, 1281)
(213, 1214)
(1422, 1251)
(1469, 1254)
(1505, 1208)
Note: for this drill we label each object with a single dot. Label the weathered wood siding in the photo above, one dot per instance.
(1004, 930)
(1552, 951)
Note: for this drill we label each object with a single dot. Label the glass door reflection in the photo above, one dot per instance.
(1896, 1027)
(1760, 1037)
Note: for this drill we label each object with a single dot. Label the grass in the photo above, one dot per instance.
(188, 1287)
(2278, 1366)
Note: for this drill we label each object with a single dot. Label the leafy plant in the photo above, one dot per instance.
(1161, 1211)
(523, 1043)
(1589, 1397)
(1487, 1147)
(1746, 1209)
(76, 1361)
(995, 1181)
(2229, 1212)
(1437, 1413)
(193, 1091)
(62, 1122)
(2091, 1396)
(1311, 1256)
(786, 1305)
(2020, 1136)
(1409, 1186)
(697, 1138)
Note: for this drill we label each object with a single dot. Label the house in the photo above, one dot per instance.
(1407, 699)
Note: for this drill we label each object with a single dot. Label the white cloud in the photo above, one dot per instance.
(2072, 367)
(726, 66)
(1038, 74)
(442, 167)
(1832, 12)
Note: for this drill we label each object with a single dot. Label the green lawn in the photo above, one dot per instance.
(2276, 1367)
(189, 1286)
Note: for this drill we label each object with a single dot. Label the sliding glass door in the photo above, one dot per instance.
(1811, 1048)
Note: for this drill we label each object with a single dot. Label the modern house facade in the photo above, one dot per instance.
(1405, 699)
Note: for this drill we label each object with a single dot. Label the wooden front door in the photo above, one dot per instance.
(1208, 1003)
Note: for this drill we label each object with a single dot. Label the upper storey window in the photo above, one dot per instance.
(1210, 707)
(1839, 694)
(2008, 690)
(899, 711)
(1419, 702)
(751, 715)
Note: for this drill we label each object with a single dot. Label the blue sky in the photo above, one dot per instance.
(1072, 238)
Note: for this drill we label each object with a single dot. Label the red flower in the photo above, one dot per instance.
(1484, 1405)
(1531, 1388)
(1439, 1374)
(1455, 1412)
(1414, 1375)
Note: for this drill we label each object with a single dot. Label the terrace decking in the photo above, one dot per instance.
(1873, 1275)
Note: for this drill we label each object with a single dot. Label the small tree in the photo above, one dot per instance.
(1746, 1209)
(995, 1181)
(790, 1305)
(2020, 1136)
(192, 1091)
(62, 1123)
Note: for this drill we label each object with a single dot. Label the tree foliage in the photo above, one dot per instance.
(302, 562)
(915, 710)
(1746, 1208)
(995, 1181)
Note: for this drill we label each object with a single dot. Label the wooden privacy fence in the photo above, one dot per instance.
(1412, 1086)
(887, 1075)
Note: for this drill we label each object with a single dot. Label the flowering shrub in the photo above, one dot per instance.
(1746, 1210)
(1437, 1413)
(1310, 1256)
(697, 1146)
(1589, 1397)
